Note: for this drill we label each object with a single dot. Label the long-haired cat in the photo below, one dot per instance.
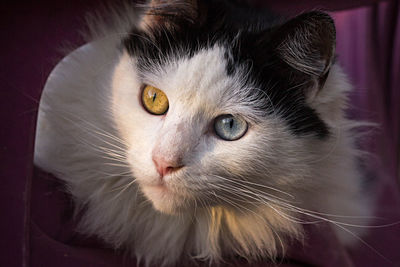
(195, 130)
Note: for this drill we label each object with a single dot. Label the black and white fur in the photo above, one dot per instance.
(296, 163)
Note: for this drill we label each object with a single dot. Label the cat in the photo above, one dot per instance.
(197, 130)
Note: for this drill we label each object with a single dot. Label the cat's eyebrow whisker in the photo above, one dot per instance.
(161, 54)
(148, 40)
(279, 104)
(266, 96)
(166, 35)
(130, 33)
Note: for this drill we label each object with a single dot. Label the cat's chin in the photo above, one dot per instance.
(164, 199)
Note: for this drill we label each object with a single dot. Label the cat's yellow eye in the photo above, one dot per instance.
(154, 100)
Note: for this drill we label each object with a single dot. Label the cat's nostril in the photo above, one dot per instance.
(164, 168)
(172, 169)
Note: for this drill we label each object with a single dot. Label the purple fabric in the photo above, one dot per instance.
(37, 228)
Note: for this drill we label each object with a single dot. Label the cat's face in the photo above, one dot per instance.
(234, 124)
(207, 167)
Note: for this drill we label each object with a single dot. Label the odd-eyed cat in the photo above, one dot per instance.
(195, 130)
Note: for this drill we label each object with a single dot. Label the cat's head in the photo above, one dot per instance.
(220, 112)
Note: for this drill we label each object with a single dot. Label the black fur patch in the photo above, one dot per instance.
(252, 46)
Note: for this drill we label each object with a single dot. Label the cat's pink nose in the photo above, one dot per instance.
(165, 167)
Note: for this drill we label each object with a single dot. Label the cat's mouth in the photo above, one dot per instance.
(164, 198)
(161, 188)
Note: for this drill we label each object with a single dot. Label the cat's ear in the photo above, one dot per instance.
(170, 13)
(306, 44)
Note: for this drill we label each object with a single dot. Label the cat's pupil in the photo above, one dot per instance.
(154, 96)
(231, 123)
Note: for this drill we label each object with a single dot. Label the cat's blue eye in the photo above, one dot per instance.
(230, 127)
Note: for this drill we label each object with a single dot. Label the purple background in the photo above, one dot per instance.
(36, 225)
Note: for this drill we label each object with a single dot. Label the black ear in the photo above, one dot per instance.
(170, 13)
(306, 44)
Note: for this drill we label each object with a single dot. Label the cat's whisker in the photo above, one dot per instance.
(245, 194)
(252, 212)
(109, 151)
(234, 204)
(258, 199)
(256, 193)
(69, 116)
(343, 227)
(87, 123)
(294, 208)
(245, 197)
(103, 151)
(320, 219)
(116, 164)
(317, 215)
(238, 193)
(259, 195)
(115, 156)
(238, 182)
(97, 135)
(124, 187)
(117, 175)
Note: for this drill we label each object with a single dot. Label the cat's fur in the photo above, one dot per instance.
(246, 197)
